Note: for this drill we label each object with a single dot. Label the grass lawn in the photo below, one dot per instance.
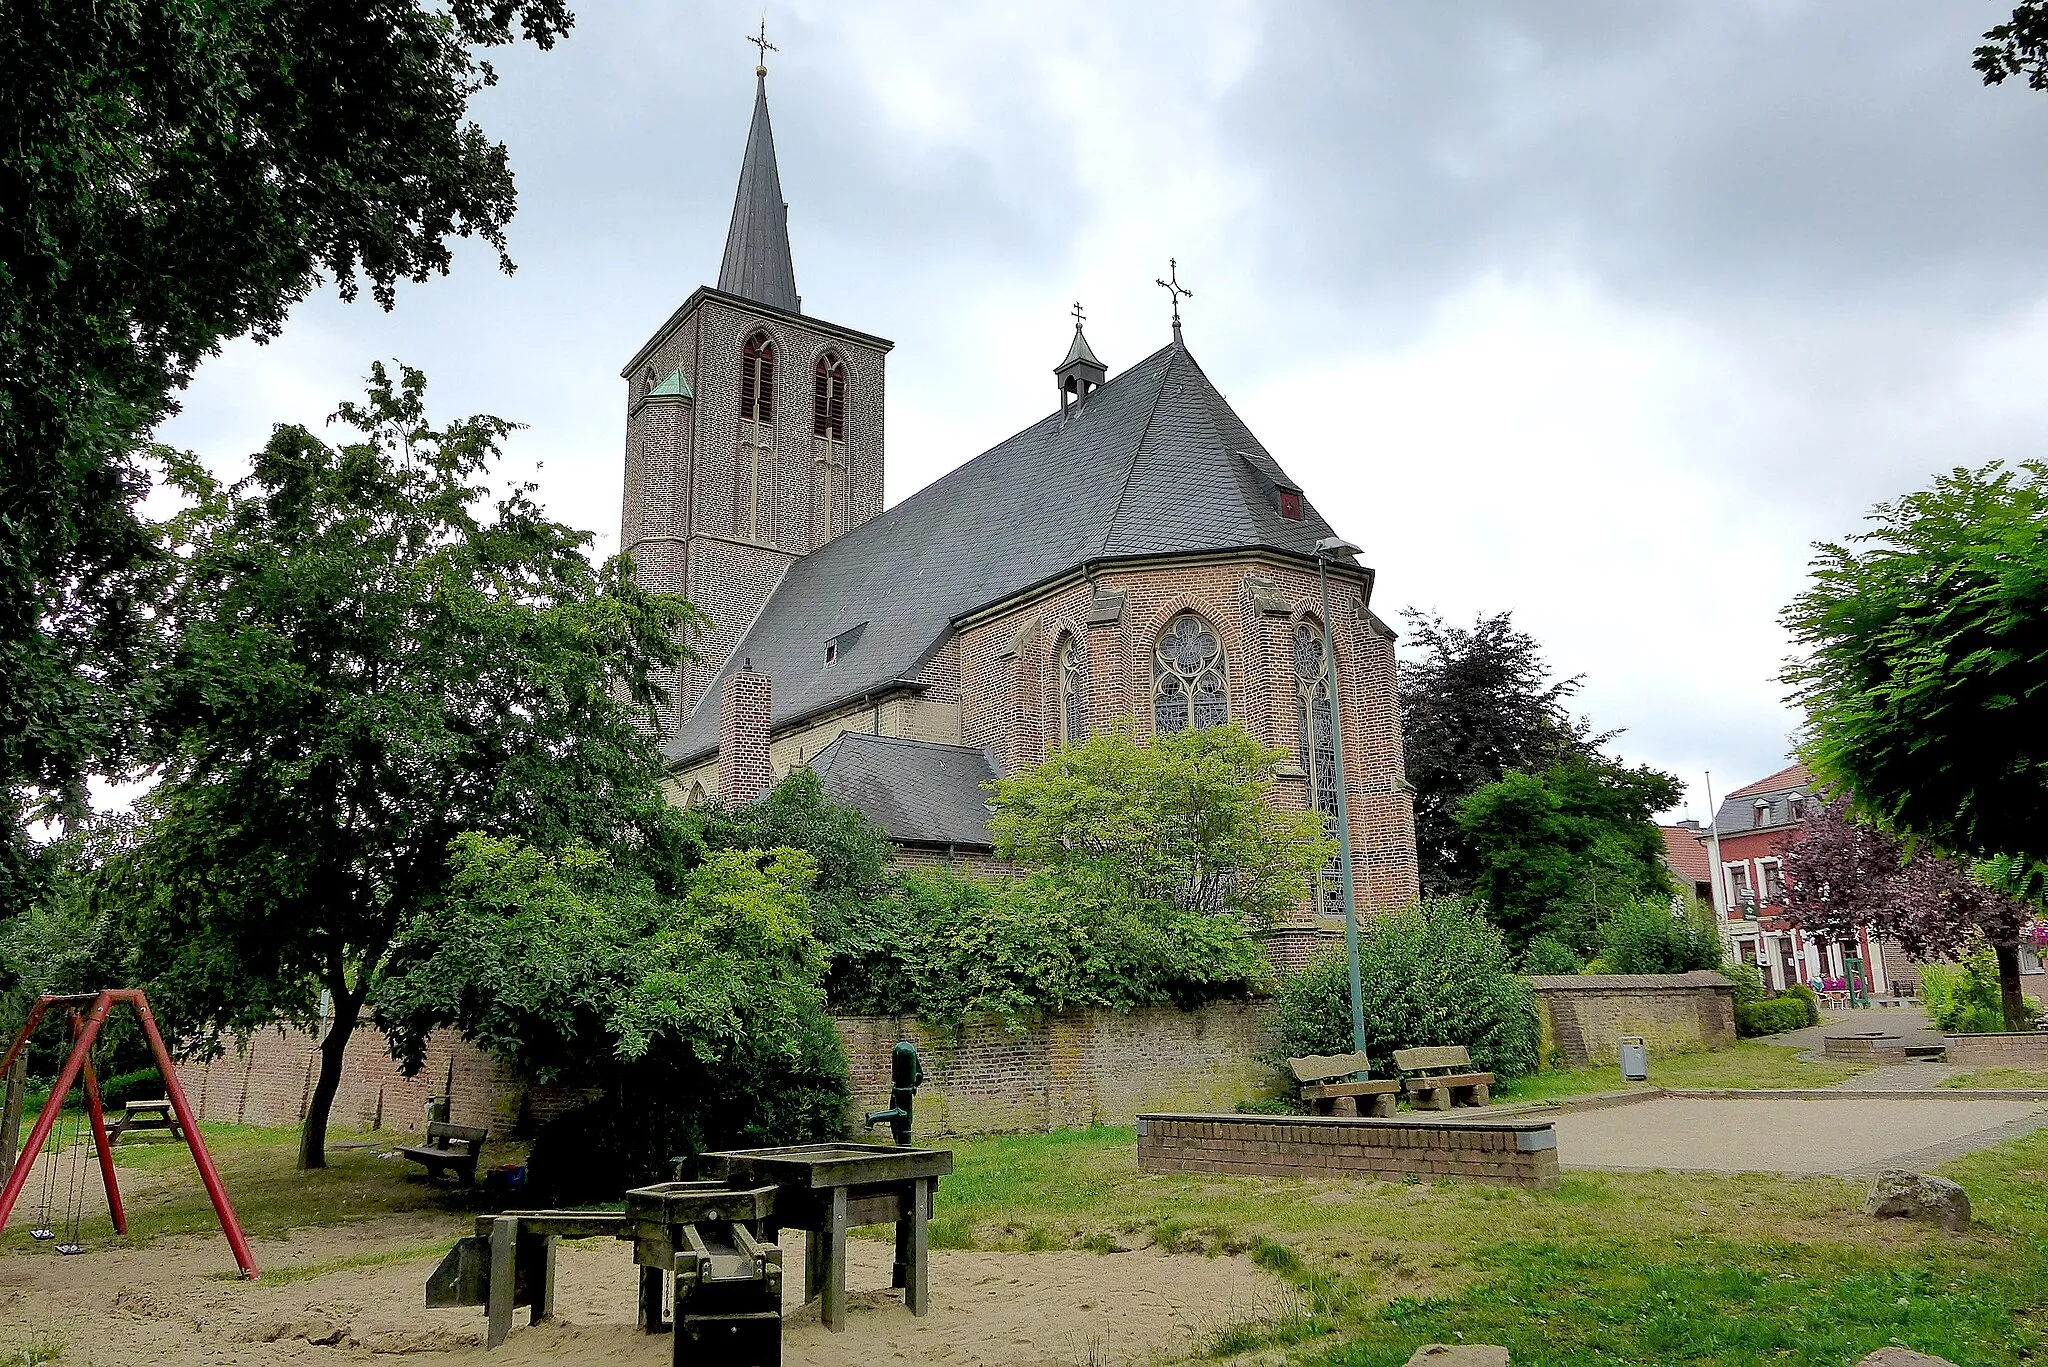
(2000, 1077)
(1613, 1268)
(1748, 1063)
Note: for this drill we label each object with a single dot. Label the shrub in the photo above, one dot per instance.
(1749, 983)
(1772, 1017)
(143, 1084)
(1809, 1000)
(1437, 973)
(1646, 936)
(949, 946)
(1547, 954)
(1963, 998)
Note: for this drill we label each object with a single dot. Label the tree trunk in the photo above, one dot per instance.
(2009, 997)
(313, 1134)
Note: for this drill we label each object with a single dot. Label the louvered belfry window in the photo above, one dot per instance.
(756, 464)
(1187, 676)
(1319, 746)
(1073, 677)
(828, 398)
(828, 441)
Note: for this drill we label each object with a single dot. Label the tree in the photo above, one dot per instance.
(1842, 874)
(851, 853)
(698, 1016)
(176, 174)
(1186, 821)
(359, 668)
(1925, 677)
(2017, 48)
(1475, 704)
(1555, 851)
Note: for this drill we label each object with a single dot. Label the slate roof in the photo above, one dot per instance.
(1739, 809)
(757, 263)
(1154, 462)
(916, 791)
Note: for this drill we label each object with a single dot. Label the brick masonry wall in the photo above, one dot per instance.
(1582, 1019)
(269, 1081)
(2022, 1049)
(743, 769)
(1497, 1153)
(1079, 1068)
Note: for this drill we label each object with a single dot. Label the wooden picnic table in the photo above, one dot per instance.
(831, 1188)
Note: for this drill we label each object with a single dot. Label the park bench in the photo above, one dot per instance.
(455, 1147)
(145, 1115)
(1332, 1084)
(1439, 1076)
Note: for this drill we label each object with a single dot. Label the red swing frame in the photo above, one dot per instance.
(85, 1028)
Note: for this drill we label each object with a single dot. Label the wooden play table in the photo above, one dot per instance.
(826, 1190)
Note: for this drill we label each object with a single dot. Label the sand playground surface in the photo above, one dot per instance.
(356, 1293)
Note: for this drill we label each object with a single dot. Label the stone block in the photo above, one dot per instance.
(1916, 1196)
(1902, 1357)
(1459, 1355)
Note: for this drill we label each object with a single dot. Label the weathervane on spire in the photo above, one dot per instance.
(1176, 290)
(763, 46)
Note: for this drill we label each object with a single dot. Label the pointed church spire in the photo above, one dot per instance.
(757, 265)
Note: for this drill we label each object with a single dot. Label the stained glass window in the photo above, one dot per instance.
(1187, 677)
(1073, 674)
(1318, 746)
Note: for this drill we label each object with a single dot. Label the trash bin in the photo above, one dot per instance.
(1635, 1059)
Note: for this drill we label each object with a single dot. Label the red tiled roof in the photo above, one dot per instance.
(1791, 776)
(1685, 854)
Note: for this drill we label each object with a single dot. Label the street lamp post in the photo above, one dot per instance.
(1327, 547)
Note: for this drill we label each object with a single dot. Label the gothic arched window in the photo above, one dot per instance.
(828, 440)
(1187, 676)
(756, 463)
(697, 796)
(1318, 745)
(1072, 671)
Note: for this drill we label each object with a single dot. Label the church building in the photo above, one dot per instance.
(1135, 555)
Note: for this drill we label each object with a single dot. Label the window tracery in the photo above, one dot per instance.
(1188, 686)
(1318, 747)
(757, 437)
(1072, 671)
(828, 432)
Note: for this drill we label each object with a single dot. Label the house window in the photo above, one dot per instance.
(1073, 680)
(1795, 808)
(2030, 960)
(1762, 811)
(1318, 746)
(1290, 504)
(757, 437)
(1741, 903)
(1187, 676)
(1774, 880)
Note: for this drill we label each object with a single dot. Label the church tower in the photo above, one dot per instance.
(753, 431)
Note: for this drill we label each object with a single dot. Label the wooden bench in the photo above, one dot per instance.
(1321, 1087)
(145, 1115)
(455, 1147)
(1440, 1076)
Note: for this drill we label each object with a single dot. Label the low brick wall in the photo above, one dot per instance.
(1582, 1018)
(2015, 1049)
(1510, 1153)
(1078, 1068)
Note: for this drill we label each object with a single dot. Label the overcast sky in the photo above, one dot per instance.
(1599, 312)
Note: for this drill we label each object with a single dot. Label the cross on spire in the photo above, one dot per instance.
(763, 46)
(1079, 317)
(1176, 291)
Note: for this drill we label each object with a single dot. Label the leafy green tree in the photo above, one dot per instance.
(1185, 820)
(1925, 676)
(365, 659)
(176, 174)
(851, 853)
(1436, 973)
(1555, 851)
(1476, 704)
(2018, 47)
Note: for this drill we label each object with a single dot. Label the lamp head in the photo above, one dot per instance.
(1334, 545)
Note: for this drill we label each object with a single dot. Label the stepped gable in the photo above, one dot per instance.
(1154, 462)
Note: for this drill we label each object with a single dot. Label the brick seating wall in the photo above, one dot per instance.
(1497, 1153)
(2020, 1049)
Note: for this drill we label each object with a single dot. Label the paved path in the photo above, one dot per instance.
(1849, 1136)
(1908, 1022)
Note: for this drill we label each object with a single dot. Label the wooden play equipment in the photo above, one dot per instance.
(86, 1013)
